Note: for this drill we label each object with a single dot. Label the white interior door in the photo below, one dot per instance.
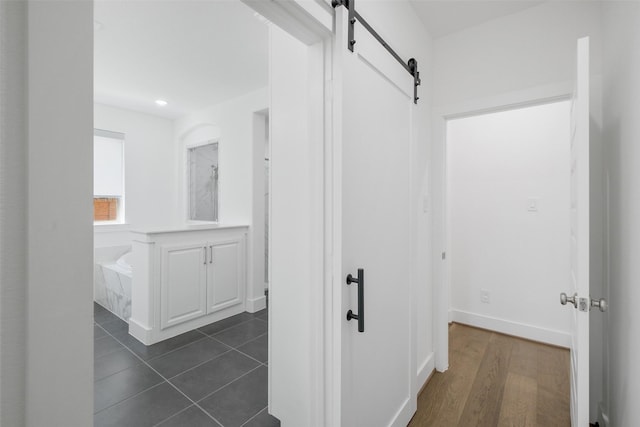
(373, 123)
(580, 240)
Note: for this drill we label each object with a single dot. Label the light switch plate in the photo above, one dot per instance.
(532, 204)
(425, 203)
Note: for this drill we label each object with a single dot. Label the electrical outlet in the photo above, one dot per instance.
(485, 296)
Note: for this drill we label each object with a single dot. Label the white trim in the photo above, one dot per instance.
(140, 332)
(537, 95)
(108, 134)
(505, 101)
(517, 329)
(603, 416)
(184, 169)
(334, 263)
(425, 370)
(110, 227)
(188, 148)
(256, 304)
(305, 20)
(312, 25)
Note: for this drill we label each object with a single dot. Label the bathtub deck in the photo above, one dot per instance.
(193, 379)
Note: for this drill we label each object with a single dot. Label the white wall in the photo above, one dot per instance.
(535, 47)
(232, 124)
(496, 163)
(59, 312)
(621, 136)
(13, 203)
(512, 60)
(290, 344)
(150, 171)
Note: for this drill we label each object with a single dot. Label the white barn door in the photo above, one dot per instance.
(578, 295)
(373, 122)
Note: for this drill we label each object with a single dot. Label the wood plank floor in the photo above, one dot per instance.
(496, 380)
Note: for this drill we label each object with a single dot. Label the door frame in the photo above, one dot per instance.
(441, 225)
(311, 22)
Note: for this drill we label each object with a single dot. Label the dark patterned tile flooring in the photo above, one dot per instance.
(213, 376)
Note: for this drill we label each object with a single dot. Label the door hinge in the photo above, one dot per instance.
(444, 255)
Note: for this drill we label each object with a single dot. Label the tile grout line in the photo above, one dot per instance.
(229, 383)
(229, 328)
(204, 335)
(165, 380)
(258, 413)
(195, 403)
(173, 416)
(243, 353)
(199, 364)
(184, 346)
(130, 397)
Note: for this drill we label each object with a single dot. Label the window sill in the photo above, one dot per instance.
(106, 227)
(199, 222)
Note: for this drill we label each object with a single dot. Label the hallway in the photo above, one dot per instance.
(496, 380)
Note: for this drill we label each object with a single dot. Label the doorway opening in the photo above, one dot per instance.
(508, 220)
(180, 312)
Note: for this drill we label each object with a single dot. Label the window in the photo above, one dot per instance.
(203, 182)
(108, 176)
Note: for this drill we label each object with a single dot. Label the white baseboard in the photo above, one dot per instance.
(424, 370)
(603, 417)
(140, 332)
(256, 304)
(534, 333)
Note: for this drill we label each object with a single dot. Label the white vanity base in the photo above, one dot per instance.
(186, 278)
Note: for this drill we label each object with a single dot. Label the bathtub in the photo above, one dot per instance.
(114, 286)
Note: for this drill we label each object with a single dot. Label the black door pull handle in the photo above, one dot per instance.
(350, 314)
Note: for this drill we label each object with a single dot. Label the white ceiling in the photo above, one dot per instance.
(190, 53)
(443, 17)
(194, 54)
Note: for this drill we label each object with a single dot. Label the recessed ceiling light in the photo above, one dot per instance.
(161, 102)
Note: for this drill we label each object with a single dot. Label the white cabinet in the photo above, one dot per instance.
(224, 275)
(199, 278)
(187, 278)
(183, 283)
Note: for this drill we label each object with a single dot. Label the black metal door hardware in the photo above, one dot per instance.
(411, 65)
(350, 314)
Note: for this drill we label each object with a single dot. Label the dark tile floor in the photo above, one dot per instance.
(213, 376)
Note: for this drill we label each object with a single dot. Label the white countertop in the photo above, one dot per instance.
(186, 227)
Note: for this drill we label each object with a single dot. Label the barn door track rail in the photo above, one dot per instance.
(411, 65)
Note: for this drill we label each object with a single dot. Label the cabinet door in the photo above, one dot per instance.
(225, 284)
(183, 283)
